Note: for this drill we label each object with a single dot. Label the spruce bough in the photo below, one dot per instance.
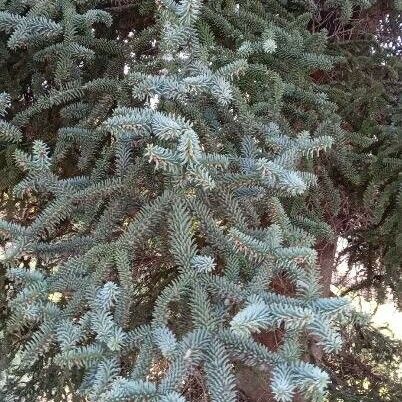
(161, 251)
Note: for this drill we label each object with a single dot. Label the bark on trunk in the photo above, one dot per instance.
(326, 258)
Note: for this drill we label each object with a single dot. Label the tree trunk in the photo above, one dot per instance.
(254, 385)
(326, 258)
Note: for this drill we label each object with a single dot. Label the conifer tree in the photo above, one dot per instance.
(366, 169)
(358, 191)
(164, 193)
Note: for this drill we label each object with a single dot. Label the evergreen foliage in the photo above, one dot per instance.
(92, 332)
(373, 173)
(358, 190)
(359, 178)
(171, 156)
(367, 368)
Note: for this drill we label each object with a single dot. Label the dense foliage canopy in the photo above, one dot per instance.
(185, 170)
